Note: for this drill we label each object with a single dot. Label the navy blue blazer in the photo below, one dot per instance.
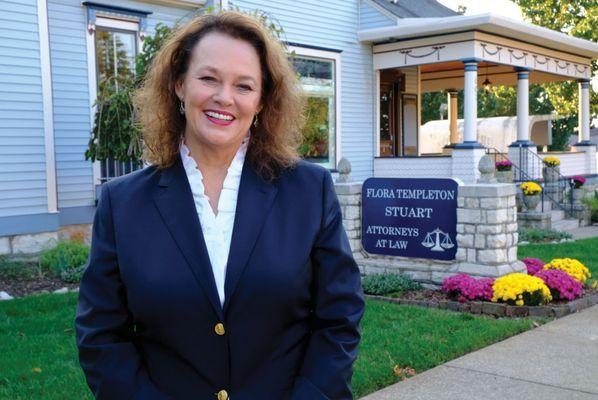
(148, 306)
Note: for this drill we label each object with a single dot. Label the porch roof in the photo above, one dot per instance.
(412, 28)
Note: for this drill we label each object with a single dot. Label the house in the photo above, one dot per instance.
(365, 62)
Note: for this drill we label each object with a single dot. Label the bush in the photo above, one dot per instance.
(380, 284)
(533, 265)
(65, 257)
(542, 235)
(72, 275)
(463, 287)
(562, 285)
(521, 289)
(592, 203)
(571, 266)
(11, 269)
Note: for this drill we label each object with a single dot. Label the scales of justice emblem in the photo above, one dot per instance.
(438, 244)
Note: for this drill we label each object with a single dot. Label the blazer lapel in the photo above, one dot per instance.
(255, 199)
(174, 201)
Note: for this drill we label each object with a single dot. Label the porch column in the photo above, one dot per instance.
(519, 151)
(466, 156)
(470, 107)
(585, 145)
(584, 113)
(452, 114)
(522, 108)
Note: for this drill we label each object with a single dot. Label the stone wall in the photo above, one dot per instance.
(37, 242)
(349, 197)
(487, 230)
(486, 236)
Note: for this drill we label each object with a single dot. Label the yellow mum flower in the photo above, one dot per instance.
(512, 289)
(551, 161)
(530, 188)
(572, 267)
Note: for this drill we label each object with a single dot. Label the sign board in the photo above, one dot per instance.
(410, 217)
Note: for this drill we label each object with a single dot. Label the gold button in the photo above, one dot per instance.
(222, 395)
(219, 328)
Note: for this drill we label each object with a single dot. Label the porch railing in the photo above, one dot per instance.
(113, 169)
(558, 191)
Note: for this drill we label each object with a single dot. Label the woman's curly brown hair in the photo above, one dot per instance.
(273, 143)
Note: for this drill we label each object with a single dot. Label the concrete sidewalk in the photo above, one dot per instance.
(558, 360)
(584, 232)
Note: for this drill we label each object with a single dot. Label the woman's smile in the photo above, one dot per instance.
(221, 118)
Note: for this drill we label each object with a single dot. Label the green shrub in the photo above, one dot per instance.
(380, 284)
(11, 269)
(542, 235)
(72, 275)
(66, 256)
(592, 202)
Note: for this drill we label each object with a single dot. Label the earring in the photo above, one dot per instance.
(182, 107)
(255, 121)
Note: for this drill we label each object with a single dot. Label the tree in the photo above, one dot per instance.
(577, 18)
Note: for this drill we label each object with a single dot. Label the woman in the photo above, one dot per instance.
(165, 310)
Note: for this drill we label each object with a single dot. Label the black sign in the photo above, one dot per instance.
(410, 217)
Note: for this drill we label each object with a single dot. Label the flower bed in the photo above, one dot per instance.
(555, 289)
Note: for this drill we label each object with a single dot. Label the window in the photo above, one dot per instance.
(318, 72)
(115, 57)
(114, 38)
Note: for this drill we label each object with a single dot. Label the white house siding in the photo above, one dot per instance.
(22, 149)
(416, 167)
(333, 24)
(571, 163)
(72, 118)
(370, 17)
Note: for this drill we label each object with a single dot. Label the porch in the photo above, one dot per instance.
(421, 55)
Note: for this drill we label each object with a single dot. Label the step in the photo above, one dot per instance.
(557, 215)
(565, 224)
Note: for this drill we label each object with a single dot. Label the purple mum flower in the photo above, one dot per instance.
(533, 265)
(561, 283)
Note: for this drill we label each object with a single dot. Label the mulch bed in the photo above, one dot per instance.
(437, 299)
(20, 287)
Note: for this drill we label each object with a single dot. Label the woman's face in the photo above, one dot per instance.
(221, 90)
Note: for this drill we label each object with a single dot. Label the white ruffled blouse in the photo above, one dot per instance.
(217, 229)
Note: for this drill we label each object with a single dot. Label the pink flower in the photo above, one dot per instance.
(561, 283)
(464, 287)
(505, 165)
(533, 265)
(578, 181)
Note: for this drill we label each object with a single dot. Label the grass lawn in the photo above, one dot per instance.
(39, 357)
(585, 250)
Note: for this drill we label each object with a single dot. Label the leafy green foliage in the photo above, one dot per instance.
(577, 18)
(11, 269)
(380, 284)
(65, 256)
(315, 132)
(592, 202)
(151, 45)
(116, 135)
(542, 235)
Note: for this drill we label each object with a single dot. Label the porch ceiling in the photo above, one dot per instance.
(499, 41)
(409, 28)
(449, 75)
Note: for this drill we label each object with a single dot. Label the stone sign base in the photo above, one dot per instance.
(431, 273)
(486, 236)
